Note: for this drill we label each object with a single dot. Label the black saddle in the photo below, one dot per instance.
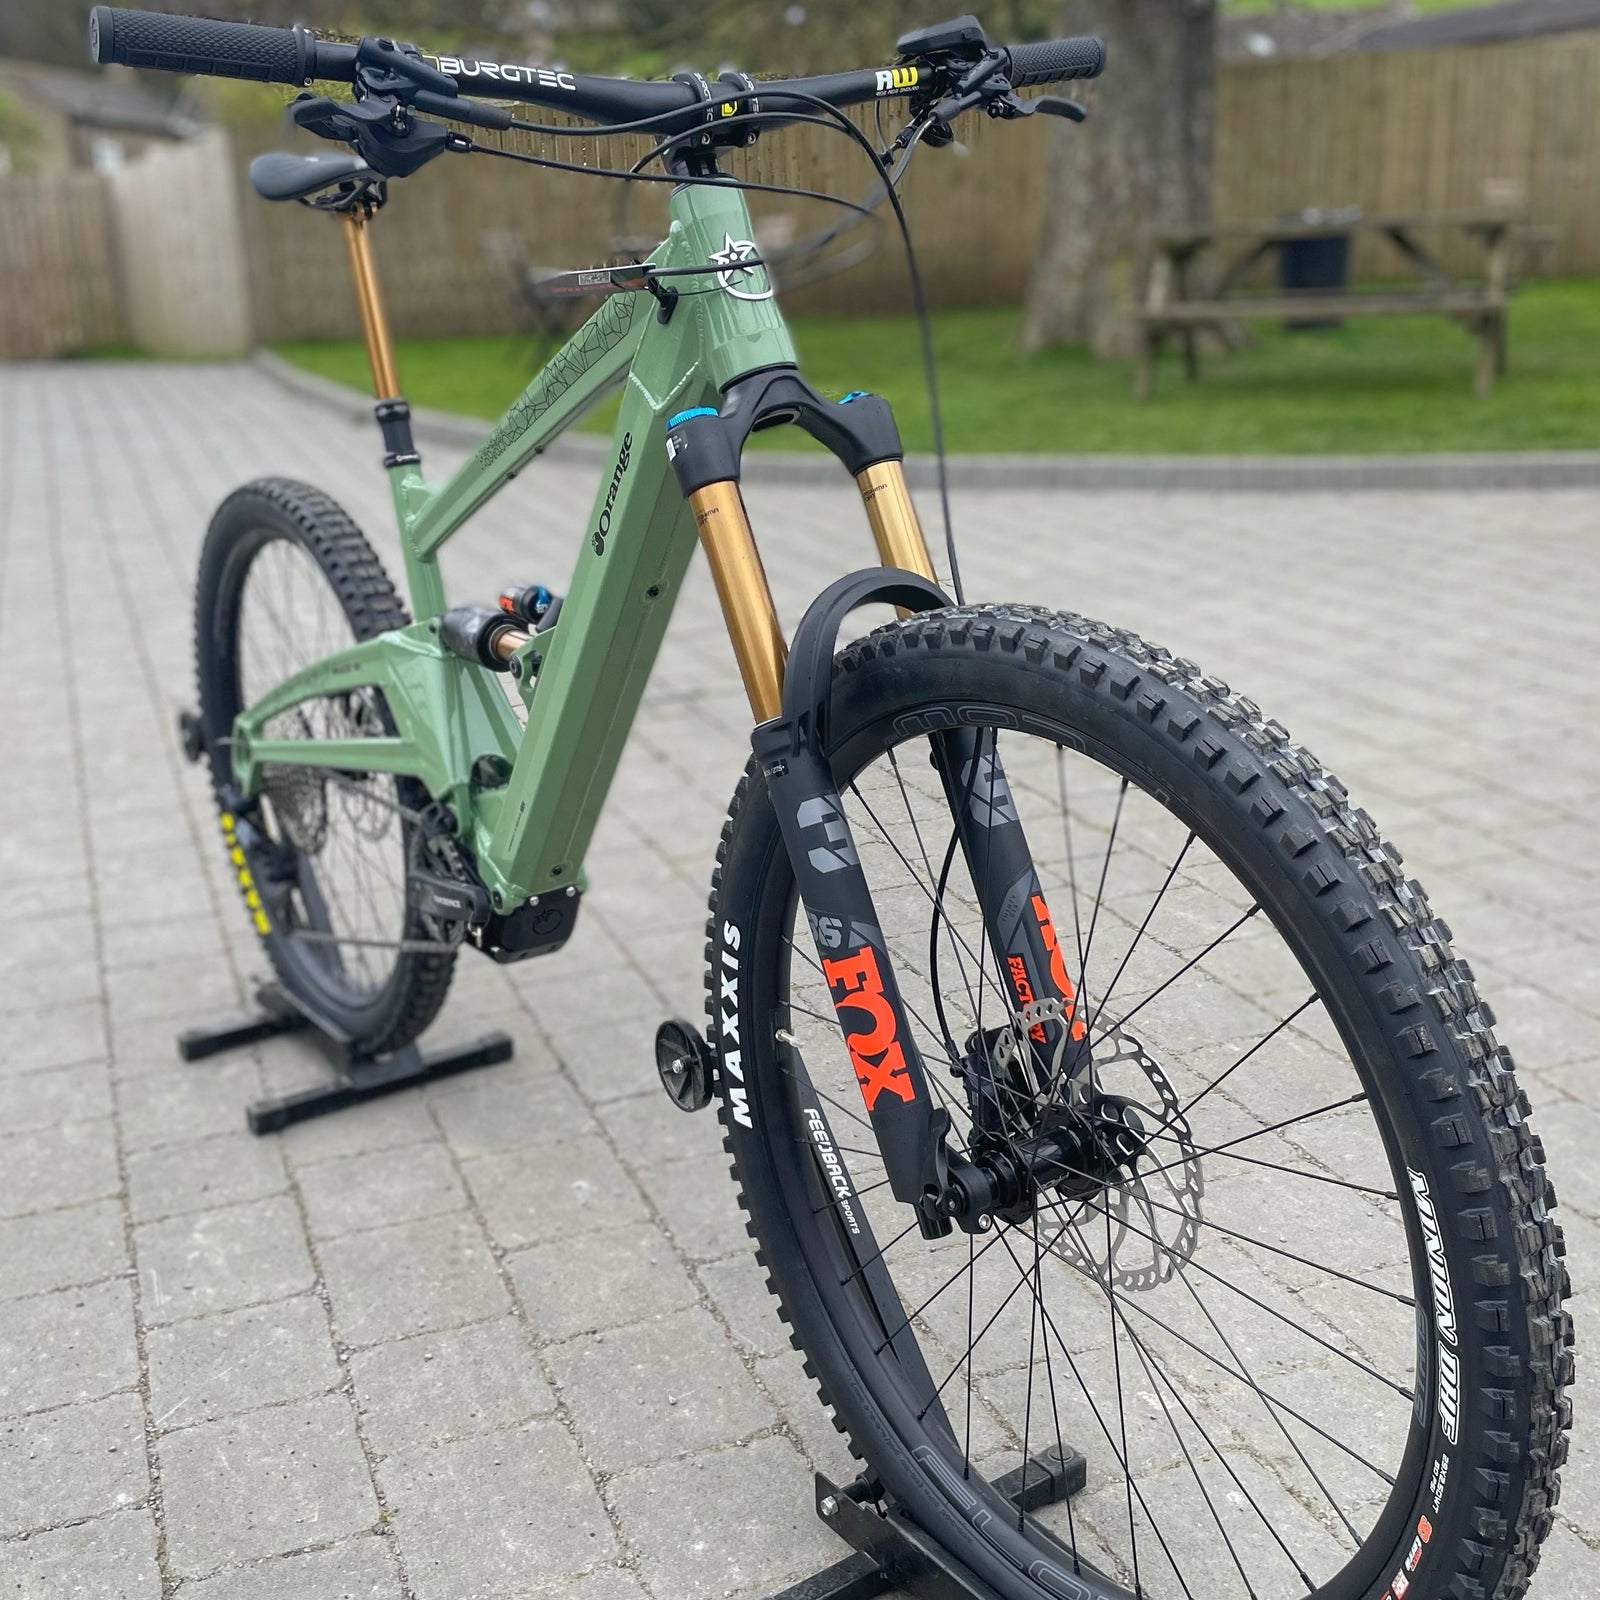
(283, 175)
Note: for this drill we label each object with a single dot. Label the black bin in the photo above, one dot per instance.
(1309, 264)
(1320, 263)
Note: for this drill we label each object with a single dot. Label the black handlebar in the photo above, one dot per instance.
(295, 55)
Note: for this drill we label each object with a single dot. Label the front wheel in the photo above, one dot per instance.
(1309, 1335)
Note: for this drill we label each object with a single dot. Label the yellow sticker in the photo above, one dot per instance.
(247, 883)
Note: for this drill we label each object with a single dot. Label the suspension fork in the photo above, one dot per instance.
(790, 699)
(1016, 915)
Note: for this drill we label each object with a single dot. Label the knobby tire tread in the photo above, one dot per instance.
(1493, 1155)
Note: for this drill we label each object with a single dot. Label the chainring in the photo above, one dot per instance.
(436, 852)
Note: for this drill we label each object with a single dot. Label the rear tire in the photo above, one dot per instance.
(1467, 1514)
(285, 578)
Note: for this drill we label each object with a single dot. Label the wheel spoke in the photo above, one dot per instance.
(1187, 967)
(1264, 1040)
(1133, 1489)
(1133, 944)
(1152, 1370)
(1240, 1482)
(1227, 1344)
(1258, 1133)
(1100, 888)
(1258, 1303)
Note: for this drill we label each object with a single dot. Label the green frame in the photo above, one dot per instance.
(529, 832)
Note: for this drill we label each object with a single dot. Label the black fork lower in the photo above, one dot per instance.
(1029, 967)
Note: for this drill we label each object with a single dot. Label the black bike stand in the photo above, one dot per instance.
(357, 1077)
(893, 1553)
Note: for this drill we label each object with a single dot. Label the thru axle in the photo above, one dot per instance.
(1086, 1150)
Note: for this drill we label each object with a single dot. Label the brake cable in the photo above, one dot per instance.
(888, 179)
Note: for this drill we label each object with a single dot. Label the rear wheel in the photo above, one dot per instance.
(1310, 1337)
(286, 578)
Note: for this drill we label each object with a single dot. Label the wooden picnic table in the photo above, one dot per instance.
(1175, 305)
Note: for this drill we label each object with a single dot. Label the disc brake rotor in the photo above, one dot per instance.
(1154, 1212)
(299, 795)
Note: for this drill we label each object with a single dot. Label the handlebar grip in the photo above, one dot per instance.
(1057, 61)
(199, 44)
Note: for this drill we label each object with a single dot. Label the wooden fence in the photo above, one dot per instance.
(453, 240)
(58, 272)
(1399, 132)
(176, 212)
(1404, 132)
(1419, 131)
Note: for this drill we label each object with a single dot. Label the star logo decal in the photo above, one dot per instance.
(732, 261)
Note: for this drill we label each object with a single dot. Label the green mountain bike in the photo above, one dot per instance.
(1096, 1081)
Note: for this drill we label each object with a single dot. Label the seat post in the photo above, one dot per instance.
(369, 302)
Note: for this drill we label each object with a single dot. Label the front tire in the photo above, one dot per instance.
(1427, 1188)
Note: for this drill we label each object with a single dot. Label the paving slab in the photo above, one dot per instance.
(204, 1174)
(496, 1513)
(421, 1391)
(75, 1344)
(362, 1568)
(590, 1282)
(236, 1361)
(548, 1334)
(222, 1259)
(52, 1249)
(106, 1558)
(76, 1461)
(264, 1484)
(762, 1490)
(60, 1166)
(574, 1188)
(657, 1388)
(437, 1273)
(379, 1189)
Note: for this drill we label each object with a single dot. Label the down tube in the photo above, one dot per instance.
(637, 545)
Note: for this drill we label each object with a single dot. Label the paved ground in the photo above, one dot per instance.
(505, 1338)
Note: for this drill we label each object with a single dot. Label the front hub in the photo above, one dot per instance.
(1082, 1152)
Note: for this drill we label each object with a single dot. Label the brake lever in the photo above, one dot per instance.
(387, 56)
(947, 111)
(1052, 105)
(461, 109)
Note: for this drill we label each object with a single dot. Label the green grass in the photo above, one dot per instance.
(1383, 385)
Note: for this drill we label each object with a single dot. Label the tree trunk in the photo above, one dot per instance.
(1142, 158)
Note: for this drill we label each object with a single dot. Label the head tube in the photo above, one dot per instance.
(735, 301)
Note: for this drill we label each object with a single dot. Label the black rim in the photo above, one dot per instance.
(1259, 1438)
